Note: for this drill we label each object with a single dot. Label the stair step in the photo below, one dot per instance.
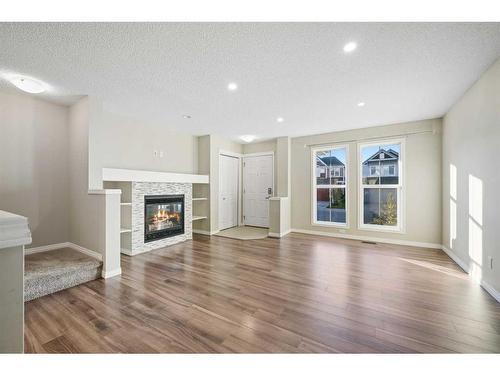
(56, 270)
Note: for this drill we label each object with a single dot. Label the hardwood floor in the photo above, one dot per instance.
(298, 294)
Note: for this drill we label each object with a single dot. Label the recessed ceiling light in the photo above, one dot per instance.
(248, 138)
(27, 84)
(280, 119)
(361, 104)
(349, 47)
(232, 86)
(186, 116)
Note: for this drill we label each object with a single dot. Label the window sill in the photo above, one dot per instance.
(329, 225)
(381, 228)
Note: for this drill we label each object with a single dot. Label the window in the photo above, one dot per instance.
(381, 186)
(329, 186)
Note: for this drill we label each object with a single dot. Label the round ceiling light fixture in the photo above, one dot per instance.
(248, 138)
(186, 116)
(27, 84)
(349, 47)
(232, 86)
(280, 119)
(361, 104)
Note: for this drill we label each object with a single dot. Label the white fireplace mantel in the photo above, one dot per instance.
(136, 175)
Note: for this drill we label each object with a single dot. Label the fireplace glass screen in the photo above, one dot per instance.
(163, 216)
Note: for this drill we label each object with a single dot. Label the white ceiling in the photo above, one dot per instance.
(298, 71)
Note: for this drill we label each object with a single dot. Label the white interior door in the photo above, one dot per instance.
(228, 191)
(257, 189)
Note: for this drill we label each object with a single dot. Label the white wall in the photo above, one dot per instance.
(422, 215)
(88, 215)
(471, 145)
(117, 141)
(34, 172)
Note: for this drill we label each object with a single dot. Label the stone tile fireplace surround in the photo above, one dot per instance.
(141, 189)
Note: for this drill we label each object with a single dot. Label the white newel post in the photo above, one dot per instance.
(111, 265)
(279, 216)
(109, 233)
(14, 234)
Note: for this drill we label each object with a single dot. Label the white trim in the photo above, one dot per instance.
(81, 249)
(263, 153)
(41, 249)
(230, 153)
(116, 174)
(107, 275)
(400, 187)
(463, 265)
(370, 239)
(278, 235)
(345, 186)
(492, 291)
(205, 232)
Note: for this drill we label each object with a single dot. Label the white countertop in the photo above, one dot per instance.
(14, 230)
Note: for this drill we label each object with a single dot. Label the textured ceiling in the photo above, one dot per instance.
(160, 72)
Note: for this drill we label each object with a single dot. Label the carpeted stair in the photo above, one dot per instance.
(51, 271)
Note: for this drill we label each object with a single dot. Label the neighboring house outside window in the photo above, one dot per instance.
(381, 186)
(329, 186)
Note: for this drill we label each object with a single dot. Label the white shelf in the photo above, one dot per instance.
(125, 230)
(199, 199)
(115, 174)
(198, 218)
(126, 204)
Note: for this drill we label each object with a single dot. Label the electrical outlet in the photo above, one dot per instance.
(490, 262)
(161, 153)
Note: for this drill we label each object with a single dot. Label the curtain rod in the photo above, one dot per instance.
(433, 131)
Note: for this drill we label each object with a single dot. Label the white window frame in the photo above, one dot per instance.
(314, 186)
(400, 201)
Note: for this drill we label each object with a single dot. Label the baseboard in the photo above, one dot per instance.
(278, 235)
(492, 291)
(205, 232)
(41, 249)
(199, 231)
(370, 239)
(113, 273)
(81, 249)
(456, 259)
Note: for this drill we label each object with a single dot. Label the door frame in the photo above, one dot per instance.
(239, 187)
(265, 153)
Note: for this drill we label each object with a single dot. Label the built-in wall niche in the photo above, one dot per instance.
(125, 213)
(200, 205)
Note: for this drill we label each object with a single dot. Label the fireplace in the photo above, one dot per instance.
(163, 216)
